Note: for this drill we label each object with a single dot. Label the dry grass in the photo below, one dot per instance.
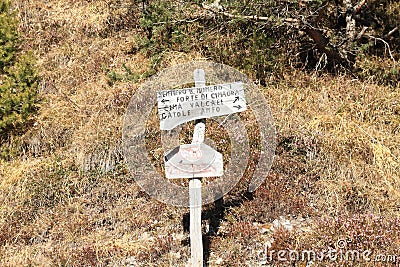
(69, 201)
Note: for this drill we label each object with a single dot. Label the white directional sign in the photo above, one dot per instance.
(182, 105)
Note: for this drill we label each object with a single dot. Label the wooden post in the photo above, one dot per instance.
(196, 242)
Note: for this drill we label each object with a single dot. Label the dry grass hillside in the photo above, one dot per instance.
(67, 199)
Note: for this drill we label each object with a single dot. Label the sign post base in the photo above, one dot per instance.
(196, 242)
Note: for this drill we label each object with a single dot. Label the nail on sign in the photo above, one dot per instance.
(182, 105)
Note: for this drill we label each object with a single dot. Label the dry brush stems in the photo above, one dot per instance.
(322, 42)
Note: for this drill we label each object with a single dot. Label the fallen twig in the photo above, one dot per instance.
(254, 17)
(385, 43)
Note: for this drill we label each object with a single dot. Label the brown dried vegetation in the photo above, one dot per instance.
(68, 199)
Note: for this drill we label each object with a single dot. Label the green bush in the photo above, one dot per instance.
(268, 37)
(18, 78)
(8, 34)
(246, 44)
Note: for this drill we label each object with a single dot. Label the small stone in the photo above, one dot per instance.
(178, 255)
(219, 261)
(266, 228)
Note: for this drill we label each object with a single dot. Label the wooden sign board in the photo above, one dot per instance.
(182, 105)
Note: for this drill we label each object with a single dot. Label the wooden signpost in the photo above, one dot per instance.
(197, 160)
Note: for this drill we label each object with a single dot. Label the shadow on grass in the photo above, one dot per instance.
(215, 215)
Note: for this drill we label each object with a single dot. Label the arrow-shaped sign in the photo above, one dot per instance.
(164, 100)
(238, 107)
(236, 99)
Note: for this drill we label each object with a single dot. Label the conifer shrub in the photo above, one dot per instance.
(18, 78)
